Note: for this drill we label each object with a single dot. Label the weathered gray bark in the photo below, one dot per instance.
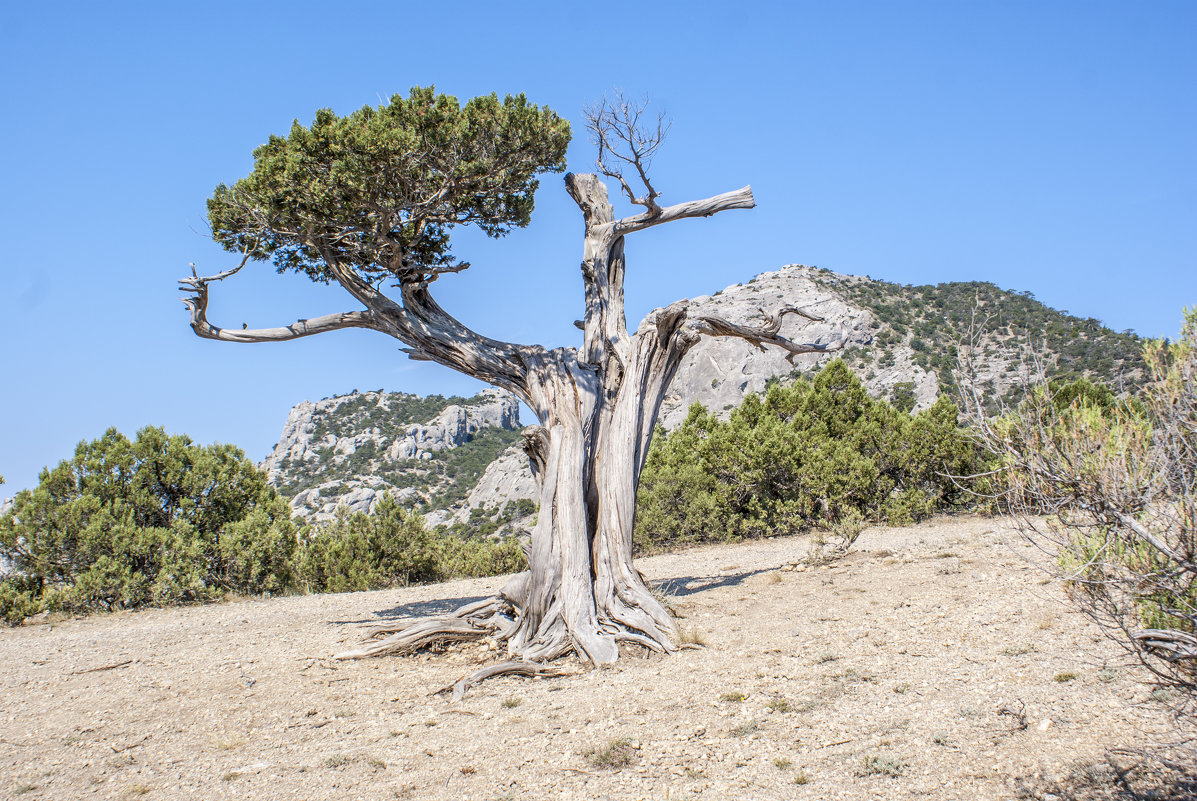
(596, 408)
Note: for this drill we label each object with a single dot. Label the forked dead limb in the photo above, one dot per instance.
(769, 333)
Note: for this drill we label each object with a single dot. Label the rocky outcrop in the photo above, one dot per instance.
(317, 431)
(719, 372)
(350, 450)
(508, 479)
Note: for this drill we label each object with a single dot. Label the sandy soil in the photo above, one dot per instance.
(935, 661)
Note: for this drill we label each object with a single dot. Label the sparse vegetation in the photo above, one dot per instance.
(613, 756)
(931, 320)
(883, 765)
(1110, 485)
(745, 729)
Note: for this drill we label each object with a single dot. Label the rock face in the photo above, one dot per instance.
(351, 449)
(890, 334)
(719, 372)
(311, 455)
(310, 430)
(507, 481)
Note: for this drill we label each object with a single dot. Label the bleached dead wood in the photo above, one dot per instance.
(596, 406)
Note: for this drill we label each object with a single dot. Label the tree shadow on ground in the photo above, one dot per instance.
(1136, 775)
(691, 585)
(678, 587)
(415, 609)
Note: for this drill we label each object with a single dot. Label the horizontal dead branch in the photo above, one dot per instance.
(768, 334)
(736, 199)
(113, 666)
(1170, 644)
(197, 303)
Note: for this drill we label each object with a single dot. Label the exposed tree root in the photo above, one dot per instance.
(471, 622)
(503, 618)
(509, 668)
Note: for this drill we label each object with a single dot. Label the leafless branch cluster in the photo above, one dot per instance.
(1112, 494)
(626, 137)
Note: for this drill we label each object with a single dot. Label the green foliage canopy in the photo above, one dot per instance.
(378, 191)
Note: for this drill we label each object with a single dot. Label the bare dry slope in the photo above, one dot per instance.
(922, 655)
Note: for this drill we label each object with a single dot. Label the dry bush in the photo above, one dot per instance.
(1109, 487)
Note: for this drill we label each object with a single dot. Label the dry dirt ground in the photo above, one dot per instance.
(935, 661)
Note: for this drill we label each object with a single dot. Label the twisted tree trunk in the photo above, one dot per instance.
(596, 406)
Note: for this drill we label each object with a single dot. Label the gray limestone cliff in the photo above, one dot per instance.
(896, 338)
(350, 449)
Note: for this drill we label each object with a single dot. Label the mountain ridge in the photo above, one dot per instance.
(902, 340)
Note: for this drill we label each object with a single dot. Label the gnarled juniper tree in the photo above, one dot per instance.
(368, 201)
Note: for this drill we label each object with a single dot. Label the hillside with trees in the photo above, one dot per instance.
(930, 322)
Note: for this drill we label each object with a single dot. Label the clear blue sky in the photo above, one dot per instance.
(1049, 147)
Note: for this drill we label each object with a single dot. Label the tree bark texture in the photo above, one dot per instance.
(596, 406)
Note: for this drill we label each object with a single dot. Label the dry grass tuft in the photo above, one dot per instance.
(882, 765)
(617, 754)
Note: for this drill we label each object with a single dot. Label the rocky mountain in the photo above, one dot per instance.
(428, 452)
(901, 340)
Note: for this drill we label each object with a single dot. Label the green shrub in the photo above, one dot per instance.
(362, 551)
(816, 453)
(159, 521)
(392, 547)
(148, 522)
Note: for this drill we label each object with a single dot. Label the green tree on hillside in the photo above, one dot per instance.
(153, 521)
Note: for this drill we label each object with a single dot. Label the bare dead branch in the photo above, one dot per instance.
(736, 199)
(619, 131)
(768, 333)
(197, 303)
(513, 668)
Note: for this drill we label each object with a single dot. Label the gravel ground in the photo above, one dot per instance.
(934, 661)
